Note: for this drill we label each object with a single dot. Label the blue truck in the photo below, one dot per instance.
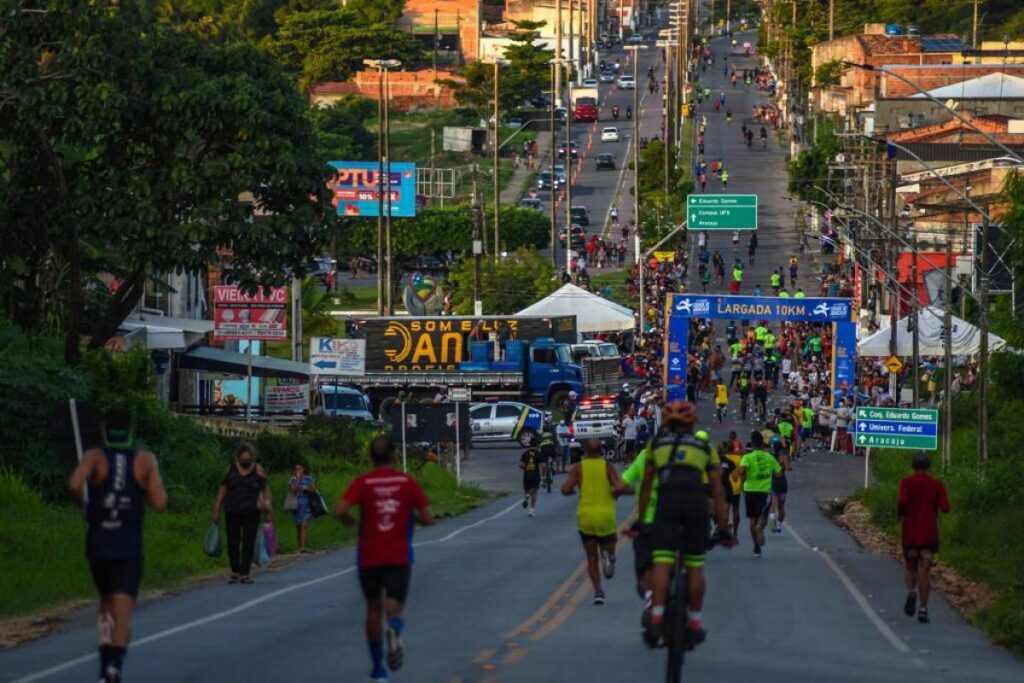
(419, 356)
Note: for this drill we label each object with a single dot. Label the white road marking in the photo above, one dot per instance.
(255, 602)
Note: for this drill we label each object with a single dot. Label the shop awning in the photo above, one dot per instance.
(209, 359)
(166, 333)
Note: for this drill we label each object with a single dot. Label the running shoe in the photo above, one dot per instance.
(531, 512)
(526, 501)
(772, 522)
(599, 598)
(111, 675)
(757, 552)
(910, 606)
(379, 676)
(608, 564)
(396, 654)
(922, 615)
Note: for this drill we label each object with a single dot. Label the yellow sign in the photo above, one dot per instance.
(664, 256)
(893, 364)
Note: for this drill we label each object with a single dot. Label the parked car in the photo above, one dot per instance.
(580, 214)
(342, 401)
(561, 113)
(531, 203)
(610, 134)
(579, 236)
(589, 82)
(547, 181)
(604, 161)
(606, 77)
(626, 83)
(541, 100)
(506, 421)
(574, 151)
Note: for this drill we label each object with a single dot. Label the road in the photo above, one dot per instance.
(498, 596)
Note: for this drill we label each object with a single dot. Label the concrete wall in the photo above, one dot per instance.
(937, 77)
(896, 114)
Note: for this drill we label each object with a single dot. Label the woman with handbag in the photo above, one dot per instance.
(244, 494)
(301, 489)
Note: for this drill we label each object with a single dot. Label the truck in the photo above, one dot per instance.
(416, 356)
(584, 104)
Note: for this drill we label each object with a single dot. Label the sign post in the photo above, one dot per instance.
(904, 428)
(721, 212)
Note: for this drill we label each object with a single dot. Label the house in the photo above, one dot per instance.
(408, 89)
(994, 52)
(456, 25)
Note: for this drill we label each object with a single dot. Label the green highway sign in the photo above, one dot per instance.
(910, 428)
(721, 212)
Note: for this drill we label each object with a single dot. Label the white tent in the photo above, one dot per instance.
(966, 337)
(593, 313)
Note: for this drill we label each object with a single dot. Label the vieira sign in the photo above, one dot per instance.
(681, 308)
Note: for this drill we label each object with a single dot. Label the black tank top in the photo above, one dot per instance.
(116, 507)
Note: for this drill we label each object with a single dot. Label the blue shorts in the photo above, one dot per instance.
(805, 433)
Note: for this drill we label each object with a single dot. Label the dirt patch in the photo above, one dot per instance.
(966, 596)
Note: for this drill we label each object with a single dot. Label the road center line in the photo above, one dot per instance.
(255, 602)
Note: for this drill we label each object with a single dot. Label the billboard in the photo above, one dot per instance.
(355, 189)
(328, 356)
(240, 315)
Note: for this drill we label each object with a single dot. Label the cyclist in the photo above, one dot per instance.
(531, 465)
(677, 459)
(721, 399)
(728, 115)
(549, 452)
(629, 112)
(756, 471)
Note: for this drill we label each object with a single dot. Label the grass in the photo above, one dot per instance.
(355, 297)
(617, 280)
(43, 563)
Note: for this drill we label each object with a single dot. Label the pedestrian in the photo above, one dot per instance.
(302, 486)
(598, 481)
(921, 497)
(703, 181)
(120, 472)
(244, 494)
(564, 434)
(387, 500)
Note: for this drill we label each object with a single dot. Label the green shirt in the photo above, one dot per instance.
(634, 476)
(736, 349)
(760, 467)
(769, 341)
(783, 294)
(786, 429)
(806, 418)
(776, 280)
(759, 332)
(815, 343)
(798, 295)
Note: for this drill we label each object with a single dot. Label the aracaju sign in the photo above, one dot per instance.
(721, 212)
(909, 428)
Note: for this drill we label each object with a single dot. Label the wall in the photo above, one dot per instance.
(932, 77)
(891, 113)
(453, 16)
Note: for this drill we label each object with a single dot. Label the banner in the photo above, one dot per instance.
(329, 356)
(287, 398)
(356, 189)
(761, 308)
(239, 315)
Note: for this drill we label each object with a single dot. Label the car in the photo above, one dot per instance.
(635, 39)
(589, 82)
(506, 421)
(605, 160)
(579, 236)
(626, 83)
(541, 100)
(580, 214)
(560, 174)
(531, 203)
(597, 417)
(545, 181)
(561, 113)
(610, 134)
(341, 401)
(574, 151)
(598, 348)
(606, 77)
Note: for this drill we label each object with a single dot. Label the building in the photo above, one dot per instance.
(409, 89)
(994, 52)
(457, 25)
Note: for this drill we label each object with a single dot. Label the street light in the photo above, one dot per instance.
(634, 49)
(497, 148)
(383, 67)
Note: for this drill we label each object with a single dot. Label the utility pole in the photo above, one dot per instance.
(556, 94)
(551, 115)
(433, 167)
(831, 18)
(894, 259)
(915, 321)
(380, 190)
(728, 15)
(478, 248)
(572, 45)
(568, 175)
(387, 183)
(983, 347)
(947, 340)
(297, 318)
(974, 32)
(636, 187)
(497, 179)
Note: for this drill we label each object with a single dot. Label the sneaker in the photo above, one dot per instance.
(608, 564)
(526, 501)
(599, 598)
(654, 633)
(910, 606)
(379, 676)
(757, 551)
(111, 675)
(396, 654)
(922, 615)
(695, 636)
(531, 512)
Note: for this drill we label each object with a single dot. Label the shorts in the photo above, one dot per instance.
(681, 512)
(531, 481)
(731, 497)
(116, 576)
(780, 486)
(602, 540)
(805, 433)
(629, 446)
(392, 579)
(921, 552)
(756, 503)
(643, 550)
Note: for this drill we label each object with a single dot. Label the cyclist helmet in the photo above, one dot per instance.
(701, 435)
(679, 412)
(572, 394)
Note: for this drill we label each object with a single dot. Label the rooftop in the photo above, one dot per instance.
(988, 87)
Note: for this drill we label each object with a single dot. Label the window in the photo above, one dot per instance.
(506, 410)
(545, 356)
(480, 413)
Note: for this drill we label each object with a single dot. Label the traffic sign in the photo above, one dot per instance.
(328, 356)
(460, 394)
(721, 212)
(893, 364)
(910, 428)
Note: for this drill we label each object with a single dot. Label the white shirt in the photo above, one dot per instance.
(630, 426)
(787, 365)
(562, 432)
(842, 416)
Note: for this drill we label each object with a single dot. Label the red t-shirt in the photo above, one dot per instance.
(920, 499)
(386, 500)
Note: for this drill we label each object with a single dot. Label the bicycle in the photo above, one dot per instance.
(549, 476)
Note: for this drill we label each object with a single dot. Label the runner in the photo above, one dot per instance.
(921, 497)
(756, 471)
(532, 465)
(721, 399)
(730, 456)
(114, 508)
(678, 460)
(386, 499)
(780, 490)
(564, 434)
(549, 453)
(598, 482)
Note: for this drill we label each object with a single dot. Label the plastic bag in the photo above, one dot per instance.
(270, 538)
(261, 555)
(211, 544)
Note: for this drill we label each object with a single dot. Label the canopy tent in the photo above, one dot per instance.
(593, 313)
(965, 336)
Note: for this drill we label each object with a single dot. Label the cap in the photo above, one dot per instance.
(572, 394)
(625, 385)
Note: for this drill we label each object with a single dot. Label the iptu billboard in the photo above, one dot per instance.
(355, 189)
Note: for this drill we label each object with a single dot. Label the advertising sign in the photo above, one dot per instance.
(287, 398)
(908, 428)
(721, 211)
(240, 315)
(761, 308)
(356, 189)
(329, 356)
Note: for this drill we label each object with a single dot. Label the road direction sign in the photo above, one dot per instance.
(909, 428)
(893, 364)
(721, 212)
(329, 356)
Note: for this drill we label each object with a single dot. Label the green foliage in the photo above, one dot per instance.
(810, 168)
(1004, 322)
(828, 73)
(340, 129)
(508, 286)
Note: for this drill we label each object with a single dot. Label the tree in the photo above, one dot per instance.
(510, 285)
(340, 130)
(828, 73)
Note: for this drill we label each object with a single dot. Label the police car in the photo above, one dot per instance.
(597, 417)
(506, 421)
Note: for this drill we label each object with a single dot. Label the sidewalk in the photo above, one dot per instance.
(516, 187)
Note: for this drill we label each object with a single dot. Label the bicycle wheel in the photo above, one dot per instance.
(675, 620)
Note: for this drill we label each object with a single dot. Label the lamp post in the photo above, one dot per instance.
(383, 66)
(496, 147)
(635, 56)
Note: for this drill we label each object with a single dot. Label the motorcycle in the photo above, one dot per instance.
(615, 112)
(629, 113)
